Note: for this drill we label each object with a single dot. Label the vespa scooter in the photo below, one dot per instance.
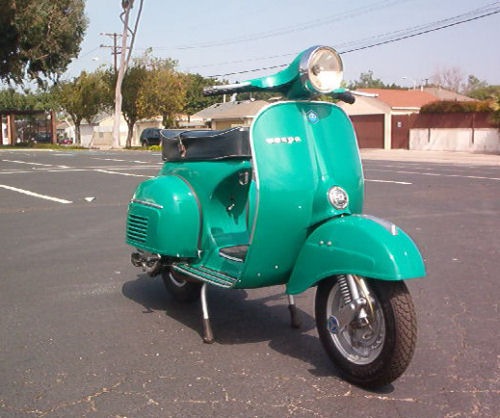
(280, 203)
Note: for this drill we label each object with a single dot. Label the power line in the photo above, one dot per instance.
(291, 29)
(420, 33)
(397, 35)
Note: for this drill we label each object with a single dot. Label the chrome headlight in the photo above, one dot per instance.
(321, 69)
(338, 197)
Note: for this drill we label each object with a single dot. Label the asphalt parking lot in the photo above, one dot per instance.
(84, 333)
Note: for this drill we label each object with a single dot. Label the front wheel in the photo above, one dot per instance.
(181, 289)
(376, 342)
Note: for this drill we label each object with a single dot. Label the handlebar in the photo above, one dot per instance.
(225, 89)
(340, 94)
(346, 96)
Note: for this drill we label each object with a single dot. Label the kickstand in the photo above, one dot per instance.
(295, 321)
(208, 336)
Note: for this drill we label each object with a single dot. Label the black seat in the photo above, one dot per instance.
(205, 145)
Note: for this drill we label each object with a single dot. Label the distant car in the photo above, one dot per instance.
(150, 136)
(65, 141)
(42, 138)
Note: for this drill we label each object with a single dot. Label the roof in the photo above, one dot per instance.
(402, 98)
(443, 94)
(232, 110)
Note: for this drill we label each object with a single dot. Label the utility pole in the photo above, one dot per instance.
(124, 60)
(114, 48)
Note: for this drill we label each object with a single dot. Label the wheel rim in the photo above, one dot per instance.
(360, 342)
(175, 281)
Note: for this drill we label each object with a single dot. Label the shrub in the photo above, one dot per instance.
(451, 106)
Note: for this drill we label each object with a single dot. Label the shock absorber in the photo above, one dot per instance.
(344, 289)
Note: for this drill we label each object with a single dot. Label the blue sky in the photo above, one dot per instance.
(247, 33)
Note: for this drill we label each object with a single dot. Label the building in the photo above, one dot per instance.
(230, 114)
(99, 133)
(382, 119)
(443, 94)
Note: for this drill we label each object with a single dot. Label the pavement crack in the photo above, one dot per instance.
(90, 399)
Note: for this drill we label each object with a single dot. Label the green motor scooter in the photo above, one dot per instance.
(280, 203)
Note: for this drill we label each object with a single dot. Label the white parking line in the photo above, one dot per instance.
(41, 196)
(428, 173)
(387, 181)
(25, 162)
(121, 174)
(109, 159)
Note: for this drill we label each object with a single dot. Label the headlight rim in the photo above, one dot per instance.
(304, 68)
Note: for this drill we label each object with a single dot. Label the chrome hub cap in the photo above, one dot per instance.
(361, 341)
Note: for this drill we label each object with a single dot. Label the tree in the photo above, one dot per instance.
(474, 84)
(195, 101)
(163, 91)
(485, 93)
(83, 98)
(11, 99)
(258, 95)
(367, 81)
(39, 38)
(450, 78)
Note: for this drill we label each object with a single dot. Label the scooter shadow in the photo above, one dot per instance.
(236, 319)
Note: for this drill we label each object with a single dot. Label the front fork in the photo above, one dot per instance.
(357, 301)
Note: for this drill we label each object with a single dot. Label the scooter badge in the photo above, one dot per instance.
(312, 116)
(333, 324)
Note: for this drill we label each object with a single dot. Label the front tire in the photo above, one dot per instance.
(376, 351)
(181, 289)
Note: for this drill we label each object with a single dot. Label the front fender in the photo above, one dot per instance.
(356, 244)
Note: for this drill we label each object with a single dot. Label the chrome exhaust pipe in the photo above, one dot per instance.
(150, 263)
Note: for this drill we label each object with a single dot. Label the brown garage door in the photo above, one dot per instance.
(400, 131)
(369, 130)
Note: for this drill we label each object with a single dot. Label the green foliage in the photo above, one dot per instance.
(485, 93)
(195, 101)
(367, 80)
(83, 97)
(474, 85)
(10, 99)
(163, 91)
(451, 106)
(39, 38)
(257, 95)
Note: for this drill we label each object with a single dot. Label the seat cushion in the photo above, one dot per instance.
(205, 145)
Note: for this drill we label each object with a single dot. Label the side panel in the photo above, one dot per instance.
(164, 217)
(360, 245)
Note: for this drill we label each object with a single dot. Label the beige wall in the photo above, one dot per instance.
(365, 106)
(485, 140)
(230, 123)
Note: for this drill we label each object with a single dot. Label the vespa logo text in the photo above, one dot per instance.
(284, 140)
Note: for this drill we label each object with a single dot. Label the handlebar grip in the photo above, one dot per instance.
(225, 89)
(211, 91)
(346, 96)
